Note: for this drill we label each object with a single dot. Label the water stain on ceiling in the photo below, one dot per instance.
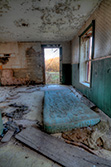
(39, 20)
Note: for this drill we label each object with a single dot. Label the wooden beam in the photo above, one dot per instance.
(58, 151)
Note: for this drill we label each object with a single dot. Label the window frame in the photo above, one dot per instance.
(85, 83)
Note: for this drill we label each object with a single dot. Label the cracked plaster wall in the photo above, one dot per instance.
(31, 20)
(25, 64)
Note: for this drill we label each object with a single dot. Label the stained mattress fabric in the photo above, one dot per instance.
(63, 111)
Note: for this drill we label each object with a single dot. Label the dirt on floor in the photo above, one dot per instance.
(22, 107)
(96, 137)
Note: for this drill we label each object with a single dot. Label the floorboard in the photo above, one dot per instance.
(58, 151)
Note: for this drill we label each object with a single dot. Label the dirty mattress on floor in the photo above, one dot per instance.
(63, 111)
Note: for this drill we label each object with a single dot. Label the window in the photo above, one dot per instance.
(86, 51)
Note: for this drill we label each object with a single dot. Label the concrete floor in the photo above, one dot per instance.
(14, 153)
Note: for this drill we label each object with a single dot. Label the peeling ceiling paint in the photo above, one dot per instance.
(43, 20)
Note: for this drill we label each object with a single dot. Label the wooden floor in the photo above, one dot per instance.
(58, 151)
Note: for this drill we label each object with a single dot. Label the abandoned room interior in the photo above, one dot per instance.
(55, 83)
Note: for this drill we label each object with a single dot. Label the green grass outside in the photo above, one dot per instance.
(52, 78)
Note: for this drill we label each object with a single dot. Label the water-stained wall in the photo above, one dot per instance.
(100, 90)
(23, 62)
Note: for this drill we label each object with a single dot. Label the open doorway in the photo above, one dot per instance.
(52, 65)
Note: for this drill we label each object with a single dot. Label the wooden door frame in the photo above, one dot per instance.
(60, 58)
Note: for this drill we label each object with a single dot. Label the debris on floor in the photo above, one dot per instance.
(101, 136)
(18, 112)
(58, 150)
(22, 107)
(7, 136)
(80, 135)
(26, 104)
(11, 125)
(93, 139)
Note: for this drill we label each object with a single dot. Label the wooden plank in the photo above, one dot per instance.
(58, 150)
(7, 136)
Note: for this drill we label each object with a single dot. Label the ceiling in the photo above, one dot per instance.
(43, 20)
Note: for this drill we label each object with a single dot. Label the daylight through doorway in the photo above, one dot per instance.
(52, 68)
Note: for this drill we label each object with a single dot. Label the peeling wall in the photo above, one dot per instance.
(100, 91)
(43, 20)
(102, 17)
(25, 63)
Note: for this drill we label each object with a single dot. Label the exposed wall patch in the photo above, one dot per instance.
(4, 59)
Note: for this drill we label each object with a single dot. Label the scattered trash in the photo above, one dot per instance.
(80, 135)
(7, 136)
(16, 102)
(80, 145)
(5, 129)
(95, 137)
(19, 112)
(18, 106)
(58, 151)
(11, 125)
(101, 136)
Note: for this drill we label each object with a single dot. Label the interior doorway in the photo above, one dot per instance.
(52, 65)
